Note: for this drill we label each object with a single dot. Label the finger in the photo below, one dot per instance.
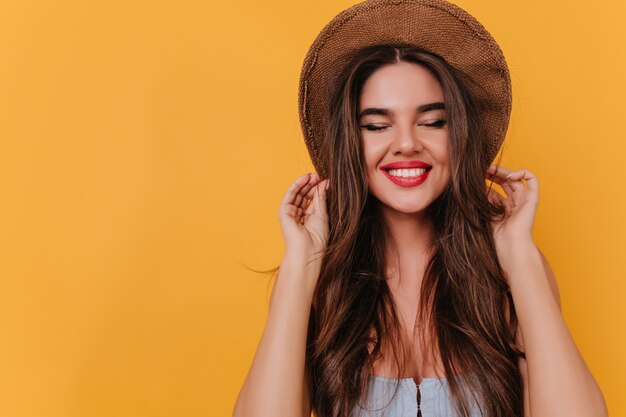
(497, 174)
(514, 179)
(314, 190)
(510, 188)
(505, 184)
(301, 196)
(499, 200)
(530, 178)
(318, 201)
(497, 179)
(292, 191)
(317, 195)
(505, 178)
(498, 171)
(494, 196)
(515, 186)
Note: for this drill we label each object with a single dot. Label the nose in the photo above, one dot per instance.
(406, 141)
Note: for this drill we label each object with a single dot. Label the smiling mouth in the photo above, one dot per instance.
(407, 177)
(407, 172)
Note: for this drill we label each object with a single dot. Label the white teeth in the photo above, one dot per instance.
(413, 172)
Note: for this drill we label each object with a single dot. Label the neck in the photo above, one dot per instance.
(412, 233)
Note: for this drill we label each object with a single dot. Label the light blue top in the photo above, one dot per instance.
(435, 398)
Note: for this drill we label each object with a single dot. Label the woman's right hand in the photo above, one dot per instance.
(303, 216)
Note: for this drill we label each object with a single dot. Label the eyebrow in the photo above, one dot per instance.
(386, 112)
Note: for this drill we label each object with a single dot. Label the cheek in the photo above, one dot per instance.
(373, 154)
(442, 153)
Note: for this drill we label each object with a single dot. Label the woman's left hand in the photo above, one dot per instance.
(520, 203)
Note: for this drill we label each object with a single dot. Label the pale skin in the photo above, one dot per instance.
(556, 380)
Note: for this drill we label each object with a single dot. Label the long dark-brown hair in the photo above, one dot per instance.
(464, 299)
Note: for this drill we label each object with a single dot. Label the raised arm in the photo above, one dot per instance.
(277, 382)
(557, 381)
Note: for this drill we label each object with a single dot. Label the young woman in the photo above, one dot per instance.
(409, 286)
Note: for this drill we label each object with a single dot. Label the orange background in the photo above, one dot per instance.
(145, 147)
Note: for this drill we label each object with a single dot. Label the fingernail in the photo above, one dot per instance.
(327, 184)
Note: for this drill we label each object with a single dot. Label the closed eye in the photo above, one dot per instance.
(437, 123)
(374, 128)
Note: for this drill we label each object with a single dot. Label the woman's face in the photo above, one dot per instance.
(403, 123)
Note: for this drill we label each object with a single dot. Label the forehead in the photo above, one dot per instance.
(399, 85)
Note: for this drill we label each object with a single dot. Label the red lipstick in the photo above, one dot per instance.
(406, 164)
(406, 181)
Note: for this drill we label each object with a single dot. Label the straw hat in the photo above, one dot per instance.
(435, 25)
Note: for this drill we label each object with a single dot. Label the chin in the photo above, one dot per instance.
(408, 206)
(407, 211)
